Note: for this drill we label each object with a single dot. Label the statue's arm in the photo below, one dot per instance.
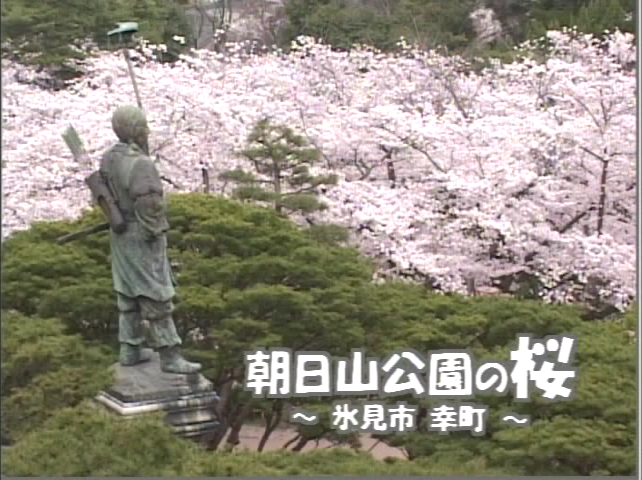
(146, 190)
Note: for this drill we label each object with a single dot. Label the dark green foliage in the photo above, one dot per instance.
(590, 435)
(433, 23)
(49, 33)
(590, 16)
(328, 234)
(282, 159)
(338, 24)
(30, 35)
(596, 16)
(71, 282)
(159, 21)
(40, 31)
(248, 278)
(86, 441)
(44, 369)
(594, 434)
(343, 24)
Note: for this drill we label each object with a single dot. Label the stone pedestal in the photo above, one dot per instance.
(188, 400)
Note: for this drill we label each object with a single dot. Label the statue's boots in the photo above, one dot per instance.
(173, 362)
(131, 355)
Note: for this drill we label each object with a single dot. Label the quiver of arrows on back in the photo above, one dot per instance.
(96, 182)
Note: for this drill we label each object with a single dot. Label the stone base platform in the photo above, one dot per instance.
(188, 400)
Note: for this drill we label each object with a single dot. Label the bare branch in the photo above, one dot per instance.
(329, 162)
(592, 153)
(585, 107)
(408, 141)
(170, 181)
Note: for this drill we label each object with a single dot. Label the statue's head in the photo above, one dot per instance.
(130, 125)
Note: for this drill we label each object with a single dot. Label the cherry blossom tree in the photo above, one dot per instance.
(519, 174)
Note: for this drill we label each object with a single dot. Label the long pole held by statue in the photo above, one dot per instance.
(72, 139)
(133, 77)
(126, 30)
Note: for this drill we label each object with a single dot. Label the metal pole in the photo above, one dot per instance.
(131, 74)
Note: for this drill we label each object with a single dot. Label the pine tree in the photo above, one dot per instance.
(282, 161)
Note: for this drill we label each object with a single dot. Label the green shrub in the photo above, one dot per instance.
(44, 370)
(86, 441)
(249, 278)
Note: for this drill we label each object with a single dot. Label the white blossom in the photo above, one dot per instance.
(491, 168)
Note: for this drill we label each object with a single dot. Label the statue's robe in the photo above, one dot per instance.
(140, 266)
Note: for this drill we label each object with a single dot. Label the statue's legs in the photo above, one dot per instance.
(160, 325)
(130, 332)
(163, 336)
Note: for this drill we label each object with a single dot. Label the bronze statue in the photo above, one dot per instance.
(141, 271)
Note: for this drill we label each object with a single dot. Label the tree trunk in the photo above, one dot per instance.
(273, 421)
(233, 438)
(277, 189)
(303, 441)
(224, 425)
(291, 441)
(392, 174)
(206, 179)
(223, 409)
(300, 444)
(471, 287)
(390, 165)
(601, 208)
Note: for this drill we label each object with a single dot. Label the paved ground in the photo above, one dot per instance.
(251, 434)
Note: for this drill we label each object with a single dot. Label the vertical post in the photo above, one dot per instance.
(131, 74)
